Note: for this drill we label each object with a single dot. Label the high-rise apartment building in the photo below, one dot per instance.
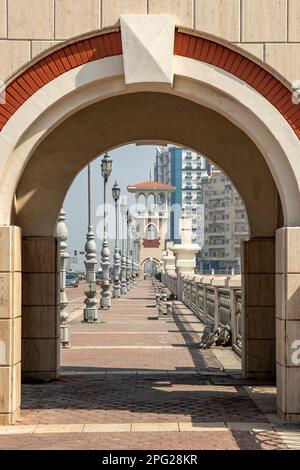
(203, 192)
(225, 224)
(183, 169)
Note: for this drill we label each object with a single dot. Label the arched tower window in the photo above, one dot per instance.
(151, 232)
(151, 202)
(161, 200)
(141, 200)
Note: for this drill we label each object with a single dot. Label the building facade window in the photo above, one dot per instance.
(151, 232)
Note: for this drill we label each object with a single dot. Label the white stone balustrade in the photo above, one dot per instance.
(216, 300)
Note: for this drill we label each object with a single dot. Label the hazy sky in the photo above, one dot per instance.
(131, 164)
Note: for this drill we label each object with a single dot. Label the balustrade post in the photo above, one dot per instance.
(185, 262)
(180, 287)
(196, 297)
(233, 318)
(204, 303)
(217, 313)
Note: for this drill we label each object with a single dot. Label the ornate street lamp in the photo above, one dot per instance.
(138, 258)
(117, 258)
(128, 264)
(62, 236)
(134, 262)
(90, 311)
(105, 303)
(133, 253)
(123, 258)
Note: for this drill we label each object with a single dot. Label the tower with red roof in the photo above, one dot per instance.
(152, 213)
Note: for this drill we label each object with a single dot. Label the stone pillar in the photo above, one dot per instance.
(168, 267)
(185, 262)
(62, 237)
(10, 324)
(40, 310)
(258, 301)
(288, 323)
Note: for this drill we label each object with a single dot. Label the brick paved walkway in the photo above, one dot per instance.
(133, 381)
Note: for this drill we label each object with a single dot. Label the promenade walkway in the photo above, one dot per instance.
(135, 381)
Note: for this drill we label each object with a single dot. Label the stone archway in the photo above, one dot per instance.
(223, 104)
(147, 260)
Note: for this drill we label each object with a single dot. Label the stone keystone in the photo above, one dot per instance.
(148, 47)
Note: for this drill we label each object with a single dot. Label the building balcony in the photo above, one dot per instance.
(151, 243)
(216, 221)
(214, 233)
(242, 233)
(220, 256)
(192, 168)
(217, 196)
(215, 208)
(190, 188)
(157, 214)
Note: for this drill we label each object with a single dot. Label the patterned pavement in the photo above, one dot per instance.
(135, 381)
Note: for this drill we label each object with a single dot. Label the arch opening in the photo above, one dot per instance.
(211, 113)
(52, 167)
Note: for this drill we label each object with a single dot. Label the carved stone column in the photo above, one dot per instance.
(62, 236)
(90, 312)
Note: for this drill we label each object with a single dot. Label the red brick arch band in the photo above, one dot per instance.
(186, 45)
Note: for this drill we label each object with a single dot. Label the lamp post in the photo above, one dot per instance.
(135, 261)
(62, 236)
(123, 258)
(128, 264)
(105, 303)
(136, 265)
(117, 259)
(90, 311)
(139, 258)
(132, 252)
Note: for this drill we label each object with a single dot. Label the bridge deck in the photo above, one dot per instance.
(136, 381)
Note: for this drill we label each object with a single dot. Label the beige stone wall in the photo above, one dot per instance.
(40, 309)
(269, 29)
(258, 299)
(10, 323)
(148, 253)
